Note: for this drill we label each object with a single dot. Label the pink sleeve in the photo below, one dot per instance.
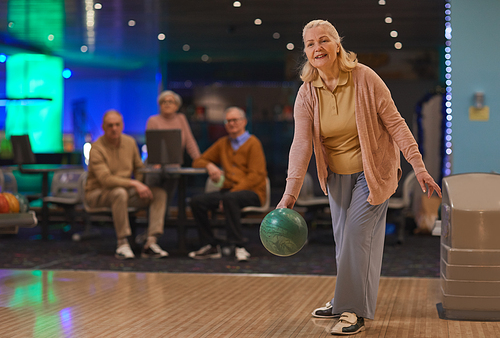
(301, 149)
(150, 124)
(191, 146)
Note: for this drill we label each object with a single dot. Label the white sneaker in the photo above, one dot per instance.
(206, 252)
(154, 251)
(242, 255)
(124, 252)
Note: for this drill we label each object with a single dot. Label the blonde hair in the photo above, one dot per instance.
(347, 61)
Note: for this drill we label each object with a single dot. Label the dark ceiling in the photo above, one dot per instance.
(225, 36)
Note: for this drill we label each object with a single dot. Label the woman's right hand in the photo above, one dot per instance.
(287, 201)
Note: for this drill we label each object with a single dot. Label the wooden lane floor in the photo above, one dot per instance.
(65, 303)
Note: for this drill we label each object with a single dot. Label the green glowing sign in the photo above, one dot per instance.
(36, 76)
(41, 21)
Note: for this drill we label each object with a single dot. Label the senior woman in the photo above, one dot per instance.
(169, 118)
(345, 113)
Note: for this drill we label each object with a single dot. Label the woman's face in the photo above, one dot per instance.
(168, 106)
(321, 50)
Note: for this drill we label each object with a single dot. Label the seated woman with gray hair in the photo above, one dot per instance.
(169, 117)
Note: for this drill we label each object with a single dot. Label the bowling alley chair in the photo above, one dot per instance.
(65, 192)
(402, 205)
(8, 182)
(313, 205)
(246, 211)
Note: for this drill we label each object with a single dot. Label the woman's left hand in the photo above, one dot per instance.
(425, 180)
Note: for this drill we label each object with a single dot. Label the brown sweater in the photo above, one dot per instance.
(244, 169)
(111, 167)
(382, 134)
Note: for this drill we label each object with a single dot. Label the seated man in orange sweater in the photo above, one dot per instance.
(243, 178)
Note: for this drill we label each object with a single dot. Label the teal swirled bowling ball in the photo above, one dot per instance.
(24, 204)
(283, 232)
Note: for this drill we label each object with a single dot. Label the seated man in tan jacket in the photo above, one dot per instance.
(114, 157)
(243, 183)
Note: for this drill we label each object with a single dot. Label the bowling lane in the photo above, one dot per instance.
(39, 303)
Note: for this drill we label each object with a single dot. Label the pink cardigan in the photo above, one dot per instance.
(382, 134)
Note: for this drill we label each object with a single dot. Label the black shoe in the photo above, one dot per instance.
(349, 323)
(206, 252)
(325, 312)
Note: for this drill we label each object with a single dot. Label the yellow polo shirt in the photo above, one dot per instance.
(338, 125)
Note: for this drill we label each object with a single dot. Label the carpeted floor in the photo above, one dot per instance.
(418, 256)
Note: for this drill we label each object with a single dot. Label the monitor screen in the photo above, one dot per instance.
(164, 146)
(21, 147)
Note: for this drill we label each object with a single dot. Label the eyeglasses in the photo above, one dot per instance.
(232, 120)
(168, 101)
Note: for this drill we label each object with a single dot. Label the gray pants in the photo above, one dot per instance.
(359, 233)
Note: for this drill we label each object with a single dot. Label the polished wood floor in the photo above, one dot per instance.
(123, 304)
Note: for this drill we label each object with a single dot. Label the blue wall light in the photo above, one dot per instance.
(66, 73)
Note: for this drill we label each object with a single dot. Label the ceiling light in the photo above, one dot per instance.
(388, 19)
(3, 58)
(50, 37)
(205, 58)
(90, 23)
(186, 47)
(97, 5)
(398, 45)
(394, 34)
(381, 2)
(290, 46)
(84, 49)
(276, 35)
(161, 36)
(131, 23)
(257, 22)
(236, 4)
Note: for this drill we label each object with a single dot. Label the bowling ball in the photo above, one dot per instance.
(24, 204)
(13, 202)
(4, 205)
(283, 232)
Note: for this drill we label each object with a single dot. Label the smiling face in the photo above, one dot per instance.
(320, 48)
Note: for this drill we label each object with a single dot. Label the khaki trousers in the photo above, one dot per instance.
(118, 199)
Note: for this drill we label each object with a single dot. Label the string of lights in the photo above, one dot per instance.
(448, 95)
